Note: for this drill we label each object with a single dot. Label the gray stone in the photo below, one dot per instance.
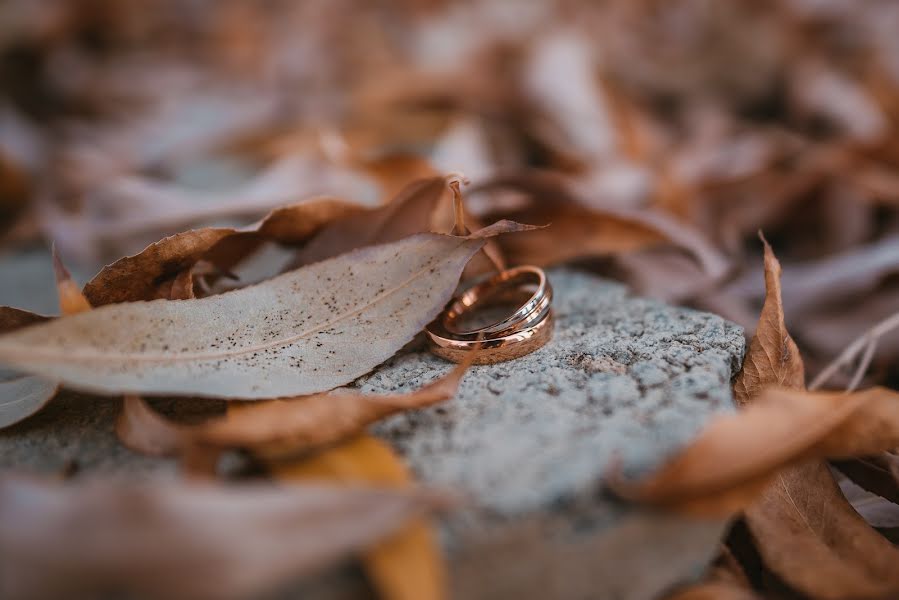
(625, 380)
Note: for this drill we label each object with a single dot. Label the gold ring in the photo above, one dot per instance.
(528, 328)
(533, 310)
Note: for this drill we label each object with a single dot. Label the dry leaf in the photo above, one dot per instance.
(773, 358)
(407, 214)
(138, 277)
(296, 334)
(577, 230)
(277, 428)
(71, 300)
(178, 540)
(734, 454)
(282, 428)
(143, 430)
(805, 529)
(23, 395)
(406, 566)
(809, 534)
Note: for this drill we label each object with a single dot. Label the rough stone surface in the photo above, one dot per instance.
(624, 380)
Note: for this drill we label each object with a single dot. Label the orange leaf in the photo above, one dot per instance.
(405, 566)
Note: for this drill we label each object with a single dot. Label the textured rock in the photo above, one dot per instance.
(624, 380)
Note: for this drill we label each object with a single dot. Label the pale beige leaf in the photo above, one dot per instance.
(303, 332)
(21, 395)
(185, 541)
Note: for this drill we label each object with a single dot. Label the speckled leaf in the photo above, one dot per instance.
(303, 332)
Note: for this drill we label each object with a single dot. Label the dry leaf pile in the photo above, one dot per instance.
(258, 186)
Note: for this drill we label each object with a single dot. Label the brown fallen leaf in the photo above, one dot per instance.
(232, 542)
(736, 454)
(577, 230)
(773, 358)
(138, 277)
(293, 335)
(410, 212)
(284, 428)
(809, 534)
(804, 528)
(277, 428)
(406, 566)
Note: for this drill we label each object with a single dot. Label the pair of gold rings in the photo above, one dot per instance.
(528, 328)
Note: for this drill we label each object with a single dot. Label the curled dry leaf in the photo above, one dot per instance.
(735, 453)
(406, 566)
(578, 231)
(410, 212)
(773, 358)
(139, 277)
(283, 428)
(278, 428)
(64, 540)
(805, 529)
(296, 334)
(71, 300)
(809, 534)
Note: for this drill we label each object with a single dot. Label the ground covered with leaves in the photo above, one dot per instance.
(276, 197)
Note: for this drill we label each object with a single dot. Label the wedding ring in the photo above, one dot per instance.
(528, 328)
(531, 311)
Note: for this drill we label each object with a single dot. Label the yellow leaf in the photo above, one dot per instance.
(405, 566)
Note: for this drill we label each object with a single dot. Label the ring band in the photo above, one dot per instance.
(494, 350)
(531, 311)
(528, 328)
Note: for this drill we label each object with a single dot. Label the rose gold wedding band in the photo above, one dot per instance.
(532, 311)
(528, 328)
(497, 349)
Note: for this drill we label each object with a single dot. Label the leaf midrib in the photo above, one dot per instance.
(85, 355)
